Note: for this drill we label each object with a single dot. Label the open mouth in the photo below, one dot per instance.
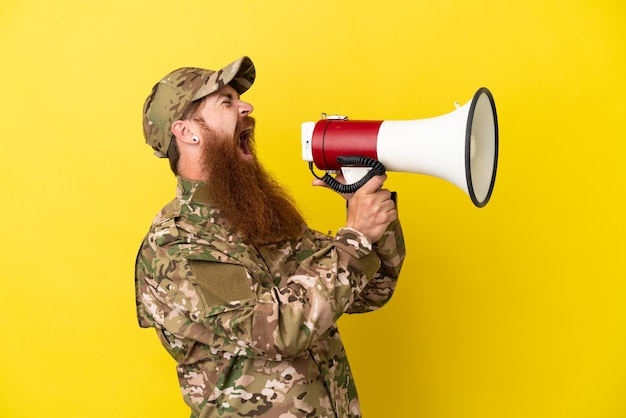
(244, 141)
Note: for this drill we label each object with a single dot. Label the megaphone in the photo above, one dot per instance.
(460, 147)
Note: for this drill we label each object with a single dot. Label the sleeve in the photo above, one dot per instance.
(219, 305)
(391, 251)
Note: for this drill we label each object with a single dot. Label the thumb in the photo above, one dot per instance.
(319, 182)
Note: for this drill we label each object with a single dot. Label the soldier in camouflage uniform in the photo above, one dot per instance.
(252, 326)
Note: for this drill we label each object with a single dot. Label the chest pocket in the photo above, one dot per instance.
(225, 286)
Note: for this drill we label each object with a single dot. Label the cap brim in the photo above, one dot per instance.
(239, 74)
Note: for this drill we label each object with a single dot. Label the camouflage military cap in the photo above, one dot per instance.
(171, 96)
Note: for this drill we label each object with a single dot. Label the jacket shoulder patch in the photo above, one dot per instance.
(222, 283)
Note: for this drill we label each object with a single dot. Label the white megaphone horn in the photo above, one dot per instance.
(460, 147)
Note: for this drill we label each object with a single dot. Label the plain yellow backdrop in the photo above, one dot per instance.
(515, 310)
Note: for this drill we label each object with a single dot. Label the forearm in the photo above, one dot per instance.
(289, 319)
(391, 252)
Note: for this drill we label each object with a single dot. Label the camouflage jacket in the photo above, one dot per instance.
(253, 329)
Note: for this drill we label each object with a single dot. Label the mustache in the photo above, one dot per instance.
(247, 123)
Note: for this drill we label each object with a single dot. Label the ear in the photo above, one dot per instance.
(182, 132)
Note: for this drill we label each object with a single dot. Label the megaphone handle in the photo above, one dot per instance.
(377, 169)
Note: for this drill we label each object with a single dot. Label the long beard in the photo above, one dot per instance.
(250, 200)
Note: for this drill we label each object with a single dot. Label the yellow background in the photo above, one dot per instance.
(511, 311)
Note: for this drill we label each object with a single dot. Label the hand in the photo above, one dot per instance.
(371, 209)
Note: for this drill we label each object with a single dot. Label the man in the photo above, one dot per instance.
(242, 294)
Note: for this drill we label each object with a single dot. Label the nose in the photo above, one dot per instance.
(245, 108)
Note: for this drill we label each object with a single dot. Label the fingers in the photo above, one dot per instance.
(379, 199)
(373, 184)
(372, 209)
(372, 190)
(383, 207)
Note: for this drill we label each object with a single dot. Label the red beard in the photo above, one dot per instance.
(249, 198)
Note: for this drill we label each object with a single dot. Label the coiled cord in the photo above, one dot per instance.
(356, 160)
